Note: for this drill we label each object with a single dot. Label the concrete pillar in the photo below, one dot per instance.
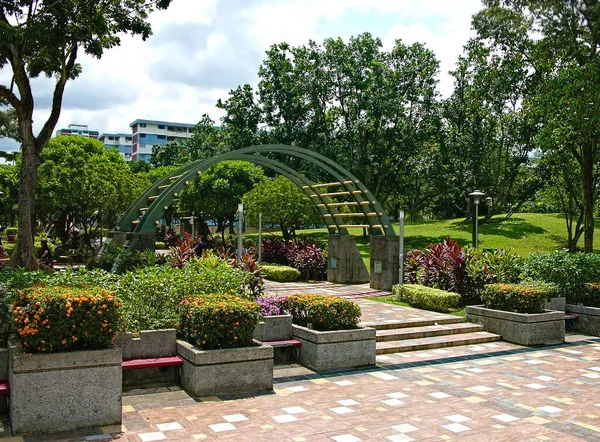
(345, 265)
(141, 241)
(384, 262)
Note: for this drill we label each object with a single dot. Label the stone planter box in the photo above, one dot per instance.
(274, 328)
(227, 371)
(556, 304)
(336, 350)
(149, 344)
(588, 322)
(521, 328)
(63, 391)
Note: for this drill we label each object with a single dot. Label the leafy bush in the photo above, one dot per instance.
(274, 251)
(254, 281)
(428, 298)
(519, 298)
(443, 266)
(280, 273)
(588, 295)
(121, 260)
(323, 312)
(567, 270)
(307, 256)
(54, 319)
(151, 294)
(9, 231)
(217, 321)
(271, 305)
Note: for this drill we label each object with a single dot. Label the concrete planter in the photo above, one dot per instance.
(588, 322)
(336, 350)
(63, 391)
(521, 328)
(274, 328)
(227, 371)
(557, 304)
(149, 344)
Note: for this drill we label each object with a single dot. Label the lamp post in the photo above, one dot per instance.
(240, 224)
(476, 195)
(259, 237)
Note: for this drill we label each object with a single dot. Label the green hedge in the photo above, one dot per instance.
(323, 312)
(566, 270)
(518, 298)
(217, 321)
(54, 319)
(11, 231)
(279, 273)
(588, 295)
(428, 298)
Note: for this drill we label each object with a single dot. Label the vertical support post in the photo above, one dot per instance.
(401, 254)
(240, 228)
(260, 237)
(476, 222)
(192, 223)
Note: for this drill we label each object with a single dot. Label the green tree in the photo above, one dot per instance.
(207, 140)
(216, 193)
(562, 45)
(9, 186)
(45, 37)
(85, 183)
(240, 123)
(9, 126)
(281, 202)
(172, 153)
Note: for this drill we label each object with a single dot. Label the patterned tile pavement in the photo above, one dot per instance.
(488, 392)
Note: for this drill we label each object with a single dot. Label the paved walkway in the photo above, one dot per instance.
(490, 392)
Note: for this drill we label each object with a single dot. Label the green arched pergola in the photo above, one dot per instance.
(145, 213)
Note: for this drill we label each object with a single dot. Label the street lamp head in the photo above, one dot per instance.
(240, 208)
(476, 195)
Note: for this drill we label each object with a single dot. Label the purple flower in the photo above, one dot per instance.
(271, 305)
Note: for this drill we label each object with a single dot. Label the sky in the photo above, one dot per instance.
(201, 49)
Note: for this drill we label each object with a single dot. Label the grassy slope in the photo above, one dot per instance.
(523, 233)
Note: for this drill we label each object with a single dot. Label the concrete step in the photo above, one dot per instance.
(435, 342)
(398, 334)
(409, 322)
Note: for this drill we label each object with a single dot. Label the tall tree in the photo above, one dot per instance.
(9, 126)
(207, 140)
(242, 117)
(45, 37)
(564, 38)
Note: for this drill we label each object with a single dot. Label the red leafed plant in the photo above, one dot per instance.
(444, 266)
(182, 251)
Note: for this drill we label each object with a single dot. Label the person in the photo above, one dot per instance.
(45, 255)
(199, 246)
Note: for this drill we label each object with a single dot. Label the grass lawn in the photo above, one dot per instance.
(523, 233)
(394, 300)
(9, 248)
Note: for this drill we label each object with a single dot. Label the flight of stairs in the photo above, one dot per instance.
(429, 334)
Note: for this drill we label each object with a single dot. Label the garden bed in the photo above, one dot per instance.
(588, 322)
(63, 391)
(521, 328)
(226, 371)
(336, 350)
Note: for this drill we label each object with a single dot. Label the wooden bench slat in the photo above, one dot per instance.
(4, 387)
(284, 343)
(165, 361)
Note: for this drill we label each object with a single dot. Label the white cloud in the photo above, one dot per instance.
(202, 49)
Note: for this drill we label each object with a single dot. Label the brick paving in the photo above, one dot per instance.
(489, 392)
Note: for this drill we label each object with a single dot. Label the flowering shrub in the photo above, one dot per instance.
(280, 273)
(217, 321)
(518, 298)
(428, 298)
(271, 305)
(307, 256)
(323, 312)
(54, 319)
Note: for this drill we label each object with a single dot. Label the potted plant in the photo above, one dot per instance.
(516, 312)
(63, 372)
(218, 351)
(11, 234)
(328, 328)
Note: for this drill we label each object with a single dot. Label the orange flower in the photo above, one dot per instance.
(99, 312)
(64, 342)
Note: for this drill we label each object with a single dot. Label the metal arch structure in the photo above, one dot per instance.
(145, 213)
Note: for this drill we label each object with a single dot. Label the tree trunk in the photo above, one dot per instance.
(24, 254)
(587, 181)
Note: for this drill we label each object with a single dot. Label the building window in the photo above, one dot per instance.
(142, 135)
(142, 124)
(160, 126)
(127, 138)
(161, 137)
(111, 138)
